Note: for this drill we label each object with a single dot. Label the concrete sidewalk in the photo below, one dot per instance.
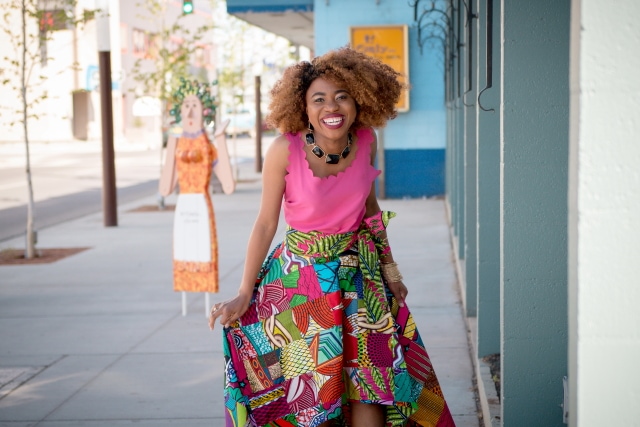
(98, 339)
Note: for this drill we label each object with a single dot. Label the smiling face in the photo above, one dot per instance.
(191, 112)
(331, 110)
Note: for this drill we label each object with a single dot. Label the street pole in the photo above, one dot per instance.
(258, 126)
(109, 201)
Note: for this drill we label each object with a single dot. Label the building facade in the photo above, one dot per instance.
(413, 144)
(542, 188)
(533, 108)
(69, 60)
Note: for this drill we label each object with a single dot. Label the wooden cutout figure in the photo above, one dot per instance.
(188, 163)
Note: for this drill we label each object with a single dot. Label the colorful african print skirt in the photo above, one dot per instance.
(322, 330)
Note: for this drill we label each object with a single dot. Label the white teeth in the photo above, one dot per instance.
(333, 121)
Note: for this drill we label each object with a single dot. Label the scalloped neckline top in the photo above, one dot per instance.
(297, 143)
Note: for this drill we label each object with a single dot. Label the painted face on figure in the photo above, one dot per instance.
(191, 112)
(331, 109)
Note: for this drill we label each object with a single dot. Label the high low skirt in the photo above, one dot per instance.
(323, 330)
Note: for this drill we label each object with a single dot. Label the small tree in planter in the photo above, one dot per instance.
(23, 69)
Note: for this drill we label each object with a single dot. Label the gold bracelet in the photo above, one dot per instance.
(390, 272)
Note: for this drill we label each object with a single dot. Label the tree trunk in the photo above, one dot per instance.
(30, 251)
(163, 122)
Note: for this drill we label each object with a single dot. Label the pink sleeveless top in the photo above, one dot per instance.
(334, 204)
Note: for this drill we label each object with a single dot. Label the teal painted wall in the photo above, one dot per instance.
(534, 143)
(488, 183)
(469, 59)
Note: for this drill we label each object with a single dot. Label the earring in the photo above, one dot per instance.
(309, 136)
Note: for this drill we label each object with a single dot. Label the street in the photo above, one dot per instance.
(67, 179)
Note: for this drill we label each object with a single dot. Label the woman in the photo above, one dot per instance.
(323, 335)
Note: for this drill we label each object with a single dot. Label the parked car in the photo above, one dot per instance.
(241, 124)
(244, 123)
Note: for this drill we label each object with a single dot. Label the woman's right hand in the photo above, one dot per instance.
(229, 311)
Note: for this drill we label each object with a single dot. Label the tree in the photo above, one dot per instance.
(173, 45)
(233, 73)
(246, 50)
(38, 20)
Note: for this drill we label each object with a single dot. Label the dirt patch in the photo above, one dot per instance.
(154, 208)
(493, 360)
(43, 256)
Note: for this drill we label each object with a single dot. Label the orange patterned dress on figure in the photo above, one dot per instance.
(195, 246)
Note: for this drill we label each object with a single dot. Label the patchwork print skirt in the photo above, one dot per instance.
(323, 330)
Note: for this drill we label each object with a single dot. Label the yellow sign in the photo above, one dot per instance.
(388, 43)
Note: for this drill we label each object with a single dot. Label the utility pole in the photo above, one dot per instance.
(109, 201)
(258, 126)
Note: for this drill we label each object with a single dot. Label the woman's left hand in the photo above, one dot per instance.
(399, 291)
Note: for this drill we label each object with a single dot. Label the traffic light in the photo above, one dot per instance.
(187, 7)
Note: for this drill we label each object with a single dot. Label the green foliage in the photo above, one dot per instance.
(171, 62)
(234, 71)
(231, 79)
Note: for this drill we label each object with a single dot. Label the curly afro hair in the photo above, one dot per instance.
(373, 84)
